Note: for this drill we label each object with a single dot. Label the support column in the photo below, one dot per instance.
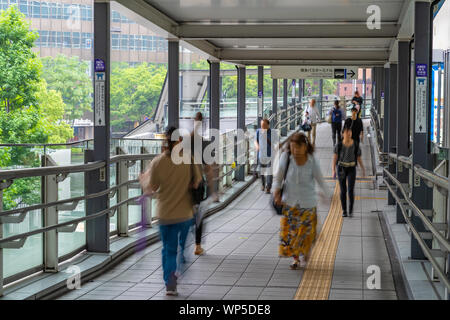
(364, 95)
(320, 97)
(173, 73)
(301, 86)
(421, 194)
(292, 125)
(214, 95)
(284, 108)
(97, 230)
(392, 132)
(402, 130)
(240, 173)
(386, 110)
(274, 101)
(260, 106)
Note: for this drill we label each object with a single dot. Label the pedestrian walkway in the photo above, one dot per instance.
(241, 252)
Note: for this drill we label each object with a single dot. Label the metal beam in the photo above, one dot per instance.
(349, 55)
(392, 132)
(241, 79)
(285, 30)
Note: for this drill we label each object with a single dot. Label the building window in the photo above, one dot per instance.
(115, 42)
(44, 10)
(76, 40)
(67, 40)
(87, 40)
(23, 7)
(36, 9)
(115, 16)
(123, 42)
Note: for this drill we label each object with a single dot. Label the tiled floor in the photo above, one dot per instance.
(241, 260)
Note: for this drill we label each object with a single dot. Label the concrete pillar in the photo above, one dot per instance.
(402, 129)
(214, 95)
(392, 132)
(174, 84)
(320, 105)
(240, 173)
(274, 101)
(97, 230)
(421, 194)
(285, 103)
(386, 110)
(260, 100)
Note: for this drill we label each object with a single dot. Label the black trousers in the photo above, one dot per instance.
(336, 128)
(266, 179)
(198, 233)
(347, 179)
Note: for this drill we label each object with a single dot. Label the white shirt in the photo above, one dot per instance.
(299, 187)
(313, 114)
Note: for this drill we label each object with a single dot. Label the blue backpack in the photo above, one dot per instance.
(336, 115)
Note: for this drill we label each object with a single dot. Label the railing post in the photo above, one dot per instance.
(440, 213)
(122, 195)
(147, 206)
(229, 160)
(50, 194)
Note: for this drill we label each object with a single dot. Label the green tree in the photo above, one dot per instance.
(20, 67)
(29, 113)
(135, 92)
(69, 76)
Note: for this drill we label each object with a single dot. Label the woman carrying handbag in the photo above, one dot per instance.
(299, 170)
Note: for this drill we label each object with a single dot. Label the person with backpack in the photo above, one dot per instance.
(298, 172)
(337, 116)
(173, 184)
(265, 143)
(347, 154)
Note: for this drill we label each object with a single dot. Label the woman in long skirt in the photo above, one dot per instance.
(299, 199)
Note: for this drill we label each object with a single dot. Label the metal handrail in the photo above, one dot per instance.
(47, 171)
(69, 143)
(425, 220)
(430, 176)
(419, 239)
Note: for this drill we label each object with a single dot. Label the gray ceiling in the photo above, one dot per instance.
(268, 32)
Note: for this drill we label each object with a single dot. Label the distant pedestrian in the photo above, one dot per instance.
(337, 116)
(347, 154)
(357, 127)
(357, 102)
(299, 199)
(314, 117)
(265, 142)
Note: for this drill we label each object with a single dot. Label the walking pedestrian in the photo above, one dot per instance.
(347, 154)
(314, 117)
(357, 102)
(337, 116)
(299, 199)
(357, 127)
(172, 182)
(265, 142)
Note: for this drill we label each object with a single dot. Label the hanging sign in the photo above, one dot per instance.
(421, 98)
(314, 72)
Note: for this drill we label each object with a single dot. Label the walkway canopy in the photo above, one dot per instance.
(283, 32)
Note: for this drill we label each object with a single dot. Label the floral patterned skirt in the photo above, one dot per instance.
(298, 231)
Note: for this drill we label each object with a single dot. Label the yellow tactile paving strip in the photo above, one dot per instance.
(318, 274)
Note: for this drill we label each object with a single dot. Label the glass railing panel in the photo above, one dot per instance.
(22, 193)
(113, 200)
(134, 210)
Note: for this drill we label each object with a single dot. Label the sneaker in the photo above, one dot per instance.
(350, 214)
(171, 293)
(302, 261)
(199, 251)
(268, 190)
(344, 214)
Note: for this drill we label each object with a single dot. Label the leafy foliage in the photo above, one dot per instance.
(69, 76)
(20, 67)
